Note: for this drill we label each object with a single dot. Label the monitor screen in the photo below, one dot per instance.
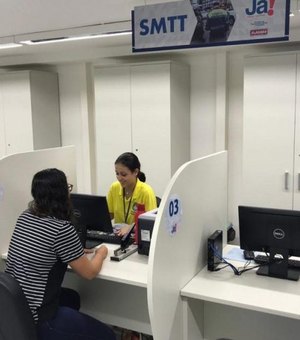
(91, 211)
(275, 231)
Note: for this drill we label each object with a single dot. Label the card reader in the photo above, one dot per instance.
(145, 228)
(127, 247)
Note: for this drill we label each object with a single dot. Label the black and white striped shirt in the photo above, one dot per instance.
(39, 251)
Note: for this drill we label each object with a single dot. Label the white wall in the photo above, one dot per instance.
(203, 104)
(216, 73)
(76, 110)
(206, 99)
(216, 104)
(206, 96)
(235, 133)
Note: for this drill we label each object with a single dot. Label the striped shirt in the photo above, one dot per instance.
(39, 251)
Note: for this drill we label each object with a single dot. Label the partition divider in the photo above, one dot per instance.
(16, 173)
(200, 187)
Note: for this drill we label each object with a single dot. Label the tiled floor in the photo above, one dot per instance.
(126, 335)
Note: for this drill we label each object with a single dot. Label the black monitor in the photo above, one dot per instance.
(274, 231)
(91, 211)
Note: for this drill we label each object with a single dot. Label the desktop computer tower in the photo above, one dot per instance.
(145, 228)
(214, 250)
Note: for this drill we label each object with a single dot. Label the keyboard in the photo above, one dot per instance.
(264, 259)
(103, 237)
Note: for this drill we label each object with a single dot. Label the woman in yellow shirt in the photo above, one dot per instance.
(128, 191)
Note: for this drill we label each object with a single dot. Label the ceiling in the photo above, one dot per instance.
(102, 48)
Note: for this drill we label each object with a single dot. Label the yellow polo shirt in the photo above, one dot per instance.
(143, 194)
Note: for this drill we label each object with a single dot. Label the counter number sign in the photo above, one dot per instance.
(174, 213)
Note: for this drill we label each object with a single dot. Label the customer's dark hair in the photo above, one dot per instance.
(131, 161)
(50, 193)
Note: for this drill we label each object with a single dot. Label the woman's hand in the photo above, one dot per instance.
(123, 230)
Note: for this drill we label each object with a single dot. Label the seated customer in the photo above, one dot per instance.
(128, 191)
(43, 244)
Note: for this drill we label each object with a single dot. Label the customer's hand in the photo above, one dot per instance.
(103, 250)
(88, 251)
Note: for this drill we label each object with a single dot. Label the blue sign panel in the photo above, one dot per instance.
(200, 23)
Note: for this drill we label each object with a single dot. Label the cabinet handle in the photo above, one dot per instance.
(286, 180)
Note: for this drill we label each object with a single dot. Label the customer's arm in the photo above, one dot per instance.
(89, 269)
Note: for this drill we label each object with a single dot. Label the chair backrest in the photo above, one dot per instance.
(16, 321)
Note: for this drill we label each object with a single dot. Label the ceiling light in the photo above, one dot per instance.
(9, 45)
(64, 39)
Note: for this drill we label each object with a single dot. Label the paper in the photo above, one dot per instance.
(236, 254)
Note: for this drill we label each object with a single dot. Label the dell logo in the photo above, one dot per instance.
(279, 234)
(77, 213)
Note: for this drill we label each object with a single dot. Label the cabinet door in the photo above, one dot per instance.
(269, 131)
(297, 143)
(16, 104)
(2, 127)
(112, 122)
(150, 104)
(45, 109)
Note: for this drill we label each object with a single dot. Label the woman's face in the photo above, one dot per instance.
(125, 176)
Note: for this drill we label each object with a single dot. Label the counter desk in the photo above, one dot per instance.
(118, 295)
(249, 306)
(139, 293)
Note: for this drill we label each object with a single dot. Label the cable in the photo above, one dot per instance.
(236, 271)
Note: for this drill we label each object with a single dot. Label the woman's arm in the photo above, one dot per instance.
(89, 269)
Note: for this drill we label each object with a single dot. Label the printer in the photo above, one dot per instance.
(145, 228)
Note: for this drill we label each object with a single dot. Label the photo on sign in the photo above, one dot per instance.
(215, 20)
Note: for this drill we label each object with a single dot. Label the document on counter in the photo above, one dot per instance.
(235, 254)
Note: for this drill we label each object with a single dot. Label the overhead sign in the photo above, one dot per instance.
(200, 23)
(168, 24)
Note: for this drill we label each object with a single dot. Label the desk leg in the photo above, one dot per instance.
(193, 319)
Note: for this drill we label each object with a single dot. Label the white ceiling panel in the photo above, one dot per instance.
(30, 16)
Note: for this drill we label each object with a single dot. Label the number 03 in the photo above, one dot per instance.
(173, 207)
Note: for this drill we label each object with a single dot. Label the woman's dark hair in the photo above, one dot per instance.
(131, 161)
(50, 193)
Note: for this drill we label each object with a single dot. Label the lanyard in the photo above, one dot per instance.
(128, 208)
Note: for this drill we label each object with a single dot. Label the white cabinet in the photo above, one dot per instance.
(271, 150)
(29, 111)
(142, 108)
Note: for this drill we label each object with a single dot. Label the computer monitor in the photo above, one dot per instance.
(92, 212)
(275, 231)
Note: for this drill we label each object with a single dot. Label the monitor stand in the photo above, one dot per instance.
(278, 267)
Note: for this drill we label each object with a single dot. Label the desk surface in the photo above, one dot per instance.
(132, 270)
(249, 291)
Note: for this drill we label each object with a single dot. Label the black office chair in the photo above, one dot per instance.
(16, 321)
